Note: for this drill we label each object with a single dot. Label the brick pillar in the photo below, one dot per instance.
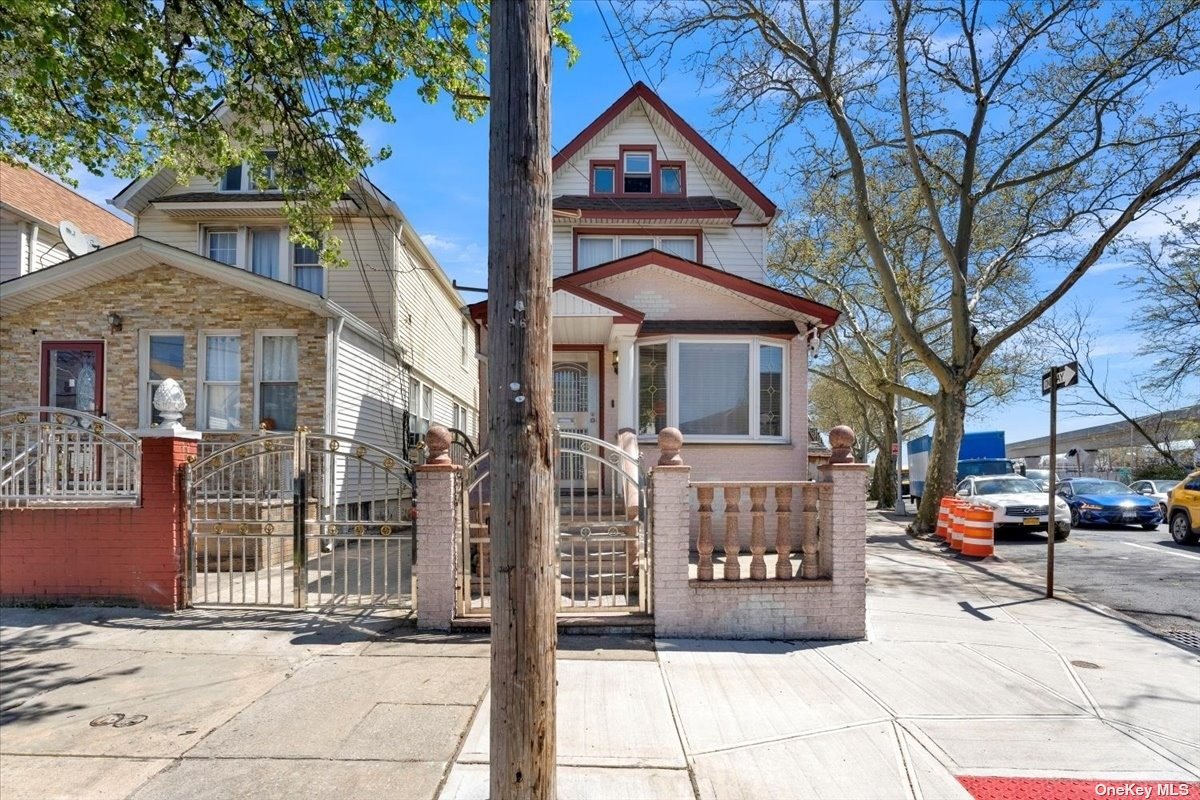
(439, 518)
(844, 538)
(161, 521)
(669, 560)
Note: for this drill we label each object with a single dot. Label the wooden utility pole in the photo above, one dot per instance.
(524, 539)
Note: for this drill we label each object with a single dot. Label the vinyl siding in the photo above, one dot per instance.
(370, 403)
(12, 249)
(736, 250)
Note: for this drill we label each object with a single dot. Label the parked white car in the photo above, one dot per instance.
(1017, 502)
(1157, 489)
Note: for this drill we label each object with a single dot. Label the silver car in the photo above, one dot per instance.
(1157, 489)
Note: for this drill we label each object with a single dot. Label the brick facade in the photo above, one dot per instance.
(124, 556)
(159, 298)
(831, 607)
(435, 573)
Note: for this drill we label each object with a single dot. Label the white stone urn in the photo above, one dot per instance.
(169, 402)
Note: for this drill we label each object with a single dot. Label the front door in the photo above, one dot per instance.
(576, 409)
(73, 376)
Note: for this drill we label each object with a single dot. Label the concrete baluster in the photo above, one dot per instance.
(733, 547)
(809, 566)
(758, 538)
(783, 533)
(704, 544)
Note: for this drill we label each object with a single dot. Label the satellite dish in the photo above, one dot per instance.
(73, 238)
(93, 241)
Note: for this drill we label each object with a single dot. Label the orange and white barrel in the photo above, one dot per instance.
(979, 532)
(943, 524)
(956, 525)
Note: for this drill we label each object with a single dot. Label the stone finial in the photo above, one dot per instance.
(169, 402)
(841, 441)
(437, 439)
(670, 442)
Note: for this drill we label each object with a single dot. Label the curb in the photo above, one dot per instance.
(1059, 593)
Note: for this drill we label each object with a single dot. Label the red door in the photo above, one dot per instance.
(73, 376)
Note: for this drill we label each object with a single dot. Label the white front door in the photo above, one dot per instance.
(577, 410)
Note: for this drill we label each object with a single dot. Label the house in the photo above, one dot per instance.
(33, 208)
(663, 316)
(212, 292)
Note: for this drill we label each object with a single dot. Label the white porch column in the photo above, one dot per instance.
(626, 383)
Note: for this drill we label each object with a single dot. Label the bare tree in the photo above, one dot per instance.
(1166, 281)
(1044, 123)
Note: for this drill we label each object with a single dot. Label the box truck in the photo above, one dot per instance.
(979, 453)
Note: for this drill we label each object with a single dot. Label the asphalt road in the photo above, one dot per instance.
(1140, 573)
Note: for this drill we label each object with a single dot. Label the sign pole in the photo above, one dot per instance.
(1050, 526)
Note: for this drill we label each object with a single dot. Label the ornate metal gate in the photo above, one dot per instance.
(300, 519)
(603, 527)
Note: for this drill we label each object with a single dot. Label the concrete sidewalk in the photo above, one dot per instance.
(965, 672)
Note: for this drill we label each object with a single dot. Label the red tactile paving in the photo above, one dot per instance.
(984, 788)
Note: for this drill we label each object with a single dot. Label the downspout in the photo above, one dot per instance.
(333, 335)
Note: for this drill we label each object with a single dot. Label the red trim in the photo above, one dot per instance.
(640, 91)
(735, 283)
(634, 233)
(627, 314)
(592, 164)
(96, 347)
(589, 348)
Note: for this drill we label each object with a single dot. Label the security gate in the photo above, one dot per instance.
(300, 519)
(603, 530)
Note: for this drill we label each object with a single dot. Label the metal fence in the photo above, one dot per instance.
(53, 456)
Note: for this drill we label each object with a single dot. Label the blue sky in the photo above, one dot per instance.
(438, 175)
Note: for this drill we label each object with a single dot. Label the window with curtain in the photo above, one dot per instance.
(733, 389)
(264, 252)
(714, 389)
(164, 359)
(682, 246)
(631, 246)
(222, 246)
(222, 382)
(594, 250)
(307, 271)
(278, 382)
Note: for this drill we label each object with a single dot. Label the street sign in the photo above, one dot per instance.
(1068, 375)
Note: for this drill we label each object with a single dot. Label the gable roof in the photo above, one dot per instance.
(826, 315)
(620, 312)
(642, 92)
(33, 195)
(139, 253)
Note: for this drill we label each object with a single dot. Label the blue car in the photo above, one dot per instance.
(1096, 502)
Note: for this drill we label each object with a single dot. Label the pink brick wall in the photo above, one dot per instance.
(107, 555)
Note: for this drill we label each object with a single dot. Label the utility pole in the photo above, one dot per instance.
(524, 539)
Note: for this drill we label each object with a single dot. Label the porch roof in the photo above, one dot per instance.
(139, 253)
(576, 282)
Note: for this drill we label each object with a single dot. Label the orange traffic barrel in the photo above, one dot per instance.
(979, 534)
(957, 528)
(943, 524)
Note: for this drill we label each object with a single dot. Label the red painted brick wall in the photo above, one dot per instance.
(111, 555)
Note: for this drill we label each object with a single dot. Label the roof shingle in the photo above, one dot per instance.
(34, 195)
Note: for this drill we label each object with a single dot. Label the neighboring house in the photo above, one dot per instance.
(212, 292)
(32, 207)
(662, 313)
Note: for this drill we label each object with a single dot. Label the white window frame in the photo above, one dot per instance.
(753, 342)
(202, 384)
(656, 243)
(239, 243)
(248, 186)
(258, 351)
(626, 173)
(292, 265)
(243, 255)
(145, 396)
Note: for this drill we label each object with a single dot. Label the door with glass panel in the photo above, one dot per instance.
(73, 376)
(576, 380)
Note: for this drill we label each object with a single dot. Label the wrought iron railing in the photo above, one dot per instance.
(603, 523)
(53, 456)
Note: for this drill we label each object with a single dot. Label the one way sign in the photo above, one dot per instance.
(1067, 375)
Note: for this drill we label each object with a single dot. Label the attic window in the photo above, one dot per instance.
(602, 180)
(637, 173)
(671, 180)
(231, 181)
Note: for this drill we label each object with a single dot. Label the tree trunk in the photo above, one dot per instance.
(949, 413)
(883, 478)
(523, 536)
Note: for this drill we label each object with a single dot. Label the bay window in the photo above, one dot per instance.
(713, 389)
